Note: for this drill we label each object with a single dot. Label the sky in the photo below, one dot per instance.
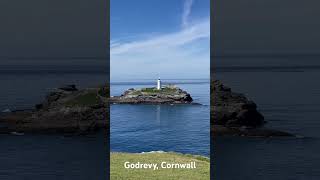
(266, 27)
(167, 39)
(79, 28)
(53, 28)
(266, 33)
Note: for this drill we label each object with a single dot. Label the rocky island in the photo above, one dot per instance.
(234, 114)
(166, 95)
(69, 110)
(64, 110)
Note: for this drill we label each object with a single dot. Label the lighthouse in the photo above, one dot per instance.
(159, 84)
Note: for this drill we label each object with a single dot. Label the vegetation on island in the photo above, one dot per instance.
(65, 110)
(118, 171)
(154, 90)
(169, 94)
(86, 99)
(90, 97)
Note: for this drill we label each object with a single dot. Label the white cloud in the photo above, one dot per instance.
(186, 12)
(178, 54)
(181, 54)
(164, 41)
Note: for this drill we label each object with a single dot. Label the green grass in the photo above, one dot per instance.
(104, 91)
(83, 100)
(150, 90)
(168, 90)
(118, 171)
(164, 90)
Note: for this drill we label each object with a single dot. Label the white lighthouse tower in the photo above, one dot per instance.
(159, 84)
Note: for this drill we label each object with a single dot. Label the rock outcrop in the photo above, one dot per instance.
(234, 114)
(167, 95)
(233, 109)
(65, 110)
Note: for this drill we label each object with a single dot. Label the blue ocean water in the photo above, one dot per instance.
(48, 157)
(58, 157)
(287, 92)
(288, 98)
(179, 128)
(52, 157)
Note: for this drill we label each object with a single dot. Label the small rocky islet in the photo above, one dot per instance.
(70, 110)
(234, 114)
(166, 95)
(64, 110)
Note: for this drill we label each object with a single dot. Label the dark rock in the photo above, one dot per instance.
(71, 87)
(38, 106)
(234, 114)
(233, 109)
(167, 95)
(61, 112)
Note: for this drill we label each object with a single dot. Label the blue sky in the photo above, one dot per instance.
(166, 38)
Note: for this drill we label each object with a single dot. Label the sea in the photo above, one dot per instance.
(287, 92)
(50, 157)
(134, 128)
(285, 89)
(177, 128)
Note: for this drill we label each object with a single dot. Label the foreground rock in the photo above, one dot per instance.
(232, 109)
(66, 110)
(167, 95)
(234, 114)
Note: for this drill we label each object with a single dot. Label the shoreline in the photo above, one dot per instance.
(165, 104)
(163, 152)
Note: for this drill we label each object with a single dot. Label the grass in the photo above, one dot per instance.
(118, 171)
(86, 99)
(164, 90)
(104, 91)
(168, 90)
(150, 90)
